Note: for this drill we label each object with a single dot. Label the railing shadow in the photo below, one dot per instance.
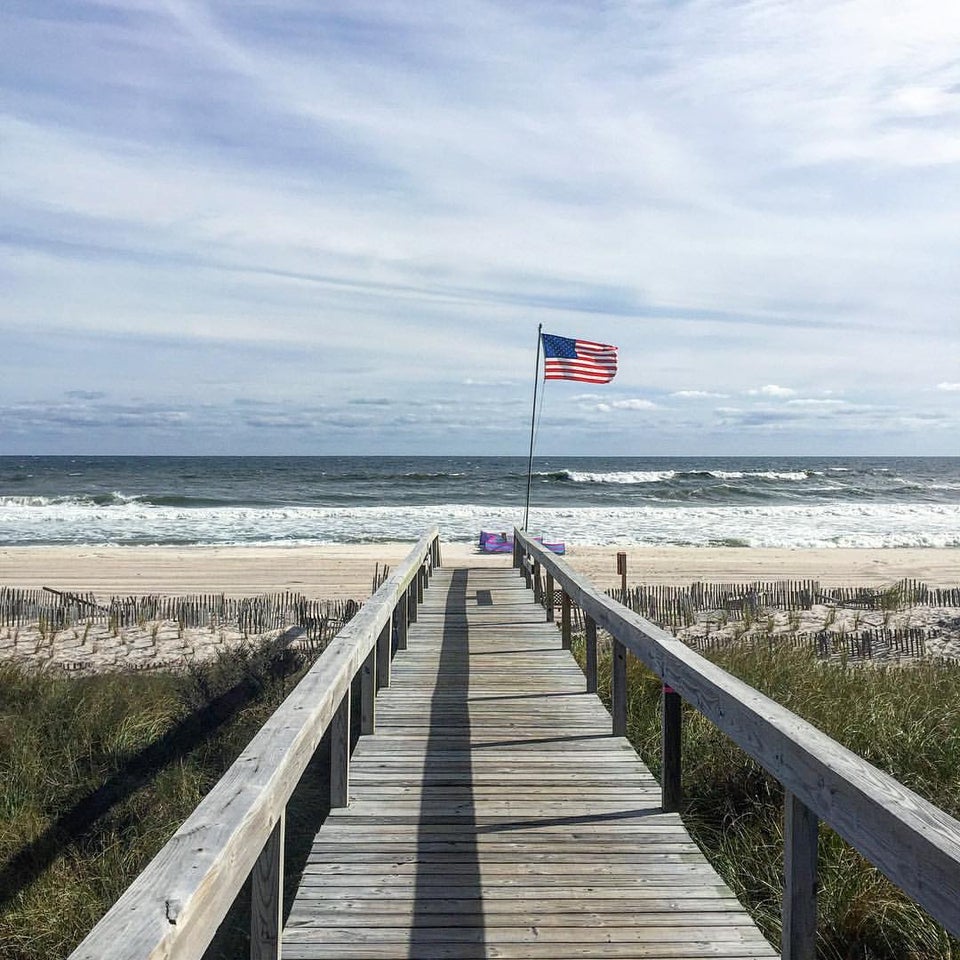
(440, 889)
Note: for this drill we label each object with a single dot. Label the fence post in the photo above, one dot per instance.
(670, 750)
(799, 940)
(565, 632)
(537, 588)
(549, 597)
(591, 652)
(618, 692)
(266, 897)
(419, 579)
(340, 754)
(368, 693)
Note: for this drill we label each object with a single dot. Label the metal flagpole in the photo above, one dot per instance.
(533, 420)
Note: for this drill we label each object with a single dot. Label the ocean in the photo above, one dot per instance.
(755, 502)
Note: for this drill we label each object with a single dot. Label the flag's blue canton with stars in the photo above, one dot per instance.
(566, 358)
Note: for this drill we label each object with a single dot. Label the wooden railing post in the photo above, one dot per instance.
(412, 603)
(266, 897)
(340, 754)
(591, 652)
(618, 692)
(799, 941)
(549, 597)
(368, 693)
(565, 631)
(537, 584)
(400, 617)
(670, 740)
(420, 580)
(384, 643)
(236, 834)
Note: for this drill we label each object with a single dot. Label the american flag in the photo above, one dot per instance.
(583, 360)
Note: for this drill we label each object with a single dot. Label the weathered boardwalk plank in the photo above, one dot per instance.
(492, 814)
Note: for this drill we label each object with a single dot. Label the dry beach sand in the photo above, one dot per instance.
(346, 571)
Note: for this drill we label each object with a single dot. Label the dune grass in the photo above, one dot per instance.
(97, 772)
(905, 720)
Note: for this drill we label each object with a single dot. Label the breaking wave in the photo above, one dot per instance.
(790, 526)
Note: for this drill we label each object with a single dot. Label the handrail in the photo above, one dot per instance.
(174, 907)
(913, 842)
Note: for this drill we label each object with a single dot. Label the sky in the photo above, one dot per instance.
(295, 227)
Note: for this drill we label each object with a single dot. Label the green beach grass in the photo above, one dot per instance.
(905, 720)
(96, 773)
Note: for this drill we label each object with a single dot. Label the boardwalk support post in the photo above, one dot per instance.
(565, 632)
(591, 652)
(618, 692)
(800, 880)
(537, 583)
(670, 792)
(340, 755)
(266, 897)
(548, 597)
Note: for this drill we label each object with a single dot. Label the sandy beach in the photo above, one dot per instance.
(339, 571)
(346, 571)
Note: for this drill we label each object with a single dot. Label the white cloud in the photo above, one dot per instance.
(772, 390)
(949, 387)
(608, 406)
(698, 395)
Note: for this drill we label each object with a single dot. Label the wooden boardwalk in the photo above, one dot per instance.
(493, 815)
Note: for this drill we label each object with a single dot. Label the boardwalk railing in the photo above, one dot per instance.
(174, 907)
(913, 842)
